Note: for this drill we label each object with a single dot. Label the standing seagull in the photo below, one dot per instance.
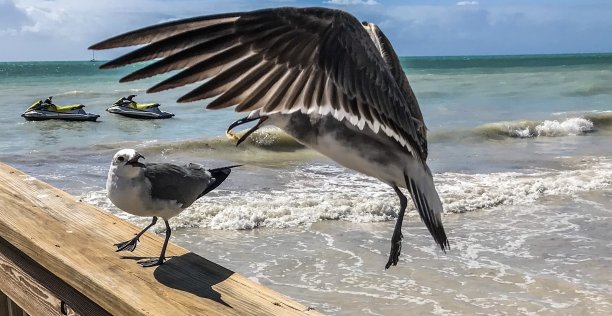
(157, 189)
(331, 82)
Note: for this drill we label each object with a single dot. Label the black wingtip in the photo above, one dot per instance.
(109, 65)
(222, 168)
(133, 77)
(157, 88)
(184, 99)
(441, 238)
(436, 229)
(113, 42)
(95, 46)
(193, 95)
(106, 44)
(432, 222)
(219, 175)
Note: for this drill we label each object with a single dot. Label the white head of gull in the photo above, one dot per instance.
(331, 82)
(158, 190)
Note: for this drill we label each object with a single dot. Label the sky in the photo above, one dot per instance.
(39, 30)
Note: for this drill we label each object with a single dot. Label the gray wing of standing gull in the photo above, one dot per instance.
(279, 60)
(184, 184)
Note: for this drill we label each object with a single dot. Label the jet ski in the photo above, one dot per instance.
(40, 111)
(130, 108)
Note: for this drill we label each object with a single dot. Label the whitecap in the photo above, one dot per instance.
(316, 193)
(571, 126)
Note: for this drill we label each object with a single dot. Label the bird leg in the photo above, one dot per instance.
(130, 245)
(162, 256)
(396, 239)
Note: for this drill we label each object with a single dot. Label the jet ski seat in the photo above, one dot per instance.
(65, 108)
(142, 106)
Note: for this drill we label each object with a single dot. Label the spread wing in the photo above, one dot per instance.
(280, 61)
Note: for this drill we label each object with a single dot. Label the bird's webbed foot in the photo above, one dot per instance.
(152, 262)
(396, 248)
(129, 245)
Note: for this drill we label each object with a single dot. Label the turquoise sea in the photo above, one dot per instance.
(521, 149)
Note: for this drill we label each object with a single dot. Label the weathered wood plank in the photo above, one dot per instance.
(3, 304)
(14, 309)
(25, 291)
(74, 241)
(36, 290)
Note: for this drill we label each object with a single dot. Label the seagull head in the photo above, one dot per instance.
(253, 116)
(125, 162)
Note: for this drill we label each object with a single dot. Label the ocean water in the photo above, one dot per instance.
(520, 147)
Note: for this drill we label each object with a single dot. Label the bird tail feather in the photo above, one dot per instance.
(219, 175)
(420, 184)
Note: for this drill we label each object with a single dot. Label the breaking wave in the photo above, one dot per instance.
(326, 192)
(579, 124)
(272, 139)
(528, 129)
(272, 144)
(267, 144)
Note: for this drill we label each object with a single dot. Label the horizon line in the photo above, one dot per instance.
(401, 56)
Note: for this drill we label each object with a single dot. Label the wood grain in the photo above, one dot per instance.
(36, 290)
(74, 241)
(3, 303)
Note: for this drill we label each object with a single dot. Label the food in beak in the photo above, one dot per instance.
(231, 135)
(245, 120)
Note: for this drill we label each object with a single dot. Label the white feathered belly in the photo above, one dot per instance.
(375, 161)
(135, 198)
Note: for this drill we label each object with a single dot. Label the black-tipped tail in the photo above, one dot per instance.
(219, 175)
(425, 201)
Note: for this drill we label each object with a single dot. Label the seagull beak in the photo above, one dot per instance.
(244, 121)
(134, 161)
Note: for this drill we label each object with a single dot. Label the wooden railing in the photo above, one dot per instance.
(57, 258)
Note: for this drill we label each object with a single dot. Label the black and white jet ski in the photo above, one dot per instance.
(40, 111)
(130, 108)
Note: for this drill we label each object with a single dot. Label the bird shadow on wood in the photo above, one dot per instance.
(194, 274)
(190, 273)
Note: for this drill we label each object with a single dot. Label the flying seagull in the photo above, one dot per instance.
(331, 82)
(158, 190)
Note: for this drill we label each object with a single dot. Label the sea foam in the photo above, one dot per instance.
(571, 126)
(529, 128)
(314, 193)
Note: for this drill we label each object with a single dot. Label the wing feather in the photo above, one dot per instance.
(180, 60)
(236, 93)
(154, 33)
(294, 92)
(255, 100)
(335, 65)
(224, 80)
(274, 99)
(204, 69)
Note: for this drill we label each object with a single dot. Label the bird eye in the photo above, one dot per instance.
(120, 159)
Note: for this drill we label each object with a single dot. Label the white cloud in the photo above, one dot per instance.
(67, 27)
(12, 18)
(463, 3)
(348, 2)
